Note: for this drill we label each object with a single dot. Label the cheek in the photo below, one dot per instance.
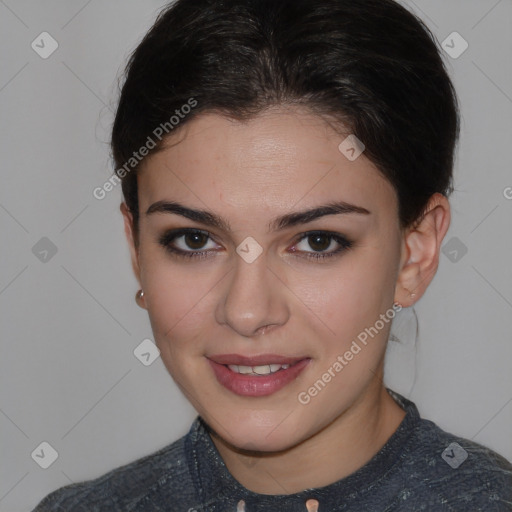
(178, 301)
(352, 335)
(354, 293)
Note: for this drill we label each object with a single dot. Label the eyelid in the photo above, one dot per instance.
(343, 242)
(173, 234)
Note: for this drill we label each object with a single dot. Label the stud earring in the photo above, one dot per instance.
(138, 298)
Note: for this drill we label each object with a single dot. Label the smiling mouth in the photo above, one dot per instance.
(266, 375)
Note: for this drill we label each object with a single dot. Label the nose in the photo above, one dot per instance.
(255, 299)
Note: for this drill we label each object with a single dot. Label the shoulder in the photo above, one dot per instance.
(163, 473)
(460, 473)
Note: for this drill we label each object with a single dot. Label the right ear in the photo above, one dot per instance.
(128, 229)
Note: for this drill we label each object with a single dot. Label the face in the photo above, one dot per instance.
(250, 291)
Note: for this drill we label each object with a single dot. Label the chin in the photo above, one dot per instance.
(257, 429)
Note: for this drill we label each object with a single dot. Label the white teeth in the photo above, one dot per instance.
(265, 369)
(261, 370)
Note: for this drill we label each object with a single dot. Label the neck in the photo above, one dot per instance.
(339, 449)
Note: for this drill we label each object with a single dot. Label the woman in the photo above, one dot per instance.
(285, 168)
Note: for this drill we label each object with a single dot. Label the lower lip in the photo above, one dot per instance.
(250, 385)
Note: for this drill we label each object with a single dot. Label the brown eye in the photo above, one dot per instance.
(195, 240)
(189, 243)
(319, 242)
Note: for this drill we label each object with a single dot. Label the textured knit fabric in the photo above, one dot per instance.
(420, 468)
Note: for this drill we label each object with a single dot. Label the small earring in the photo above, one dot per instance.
(138, 298)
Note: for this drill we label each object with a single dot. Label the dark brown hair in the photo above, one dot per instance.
(371, 65)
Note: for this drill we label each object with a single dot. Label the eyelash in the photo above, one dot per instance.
(168, 237)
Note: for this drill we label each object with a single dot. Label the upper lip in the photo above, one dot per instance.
(257, 360)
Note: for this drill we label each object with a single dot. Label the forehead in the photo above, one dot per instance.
(274, 161)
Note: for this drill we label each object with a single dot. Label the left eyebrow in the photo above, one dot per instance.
(277, 224)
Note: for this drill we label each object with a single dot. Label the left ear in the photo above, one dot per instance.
(420, 251)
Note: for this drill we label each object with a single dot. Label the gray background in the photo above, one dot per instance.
(69, 322)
